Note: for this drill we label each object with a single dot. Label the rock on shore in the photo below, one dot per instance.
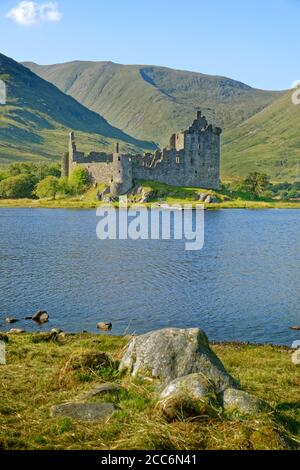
(189, 371)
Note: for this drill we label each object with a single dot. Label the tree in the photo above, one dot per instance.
(256, 184)
(79, 180)
(48, 187)
(17, 187)
(39, 170)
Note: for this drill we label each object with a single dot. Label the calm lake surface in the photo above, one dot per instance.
(244, 285)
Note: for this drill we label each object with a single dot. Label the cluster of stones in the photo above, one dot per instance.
(41, 317)
(208, 199)
(188, 373)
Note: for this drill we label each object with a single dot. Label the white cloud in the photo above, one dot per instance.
(30, 13)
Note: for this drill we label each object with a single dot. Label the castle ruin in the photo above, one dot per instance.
(191, 159)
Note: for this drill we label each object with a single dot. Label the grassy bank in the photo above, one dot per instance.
(38, 375)
(160, 193)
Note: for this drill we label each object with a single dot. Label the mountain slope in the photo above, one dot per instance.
(267, 142)
(153, 102)
(35, 122)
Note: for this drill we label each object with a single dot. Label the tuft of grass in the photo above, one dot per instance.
(45, 338)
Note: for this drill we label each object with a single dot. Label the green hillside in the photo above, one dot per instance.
(153, 102)
(268, 142)
(35, 122)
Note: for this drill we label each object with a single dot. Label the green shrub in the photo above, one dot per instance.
(79, 180)
(17, 187)
(256, 184)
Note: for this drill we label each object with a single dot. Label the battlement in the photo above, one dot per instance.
(192, 158)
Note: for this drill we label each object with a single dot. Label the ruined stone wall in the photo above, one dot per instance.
(198, 164)
(167, 168)
(98, 172)
(97, 164)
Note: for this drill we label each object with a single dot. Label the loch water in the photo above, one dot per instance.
(244, 285)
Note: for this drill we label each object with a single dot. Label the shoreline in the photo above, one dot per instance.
(110, 335)
(78, 204)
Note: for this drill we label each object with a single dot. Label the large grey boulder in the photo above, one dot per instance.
(192, 378)
(171, 353)
(84, 411)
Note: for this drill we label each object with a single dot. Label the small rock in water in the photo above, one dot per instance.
(84, 411)
(104, 326)
(11, 320)
(41, 317)
(296, 357)
(295, 328)
(16, 331)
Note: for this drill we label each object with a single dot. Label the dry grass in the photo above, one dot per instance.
(32, 382)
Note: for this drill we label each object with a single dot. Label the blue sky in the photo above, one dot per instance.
(257, 42)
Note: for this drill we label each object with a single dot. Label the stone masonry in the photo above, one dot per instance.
(192, 158)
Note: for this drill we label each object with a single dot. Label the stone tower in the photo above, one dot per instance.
(65, 166)
(68, 157)
(72, 146)
(122, 173)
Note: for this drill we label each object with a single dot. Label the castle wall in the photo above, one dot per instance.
(198, 164)
(98, 172)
